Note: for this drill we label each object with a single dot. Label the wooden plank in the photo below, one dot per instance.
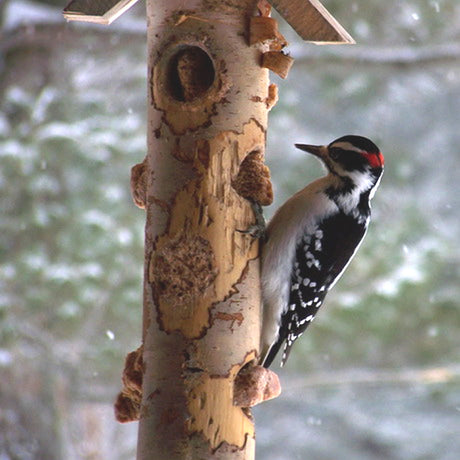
(98, 11)
(311, 20)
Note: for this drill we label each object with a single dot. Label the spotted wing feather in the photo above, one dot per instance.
(321, 257)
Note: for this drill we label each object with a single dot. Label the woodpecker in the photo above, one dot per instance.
(312, 238)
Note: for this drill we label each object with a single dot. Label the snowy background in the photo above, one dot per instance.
(378, 374)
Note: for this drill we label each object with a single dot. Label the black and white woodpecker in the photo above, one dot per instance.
(313, 237)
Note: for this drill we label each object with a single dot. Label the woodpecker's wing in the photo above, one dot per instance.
(321, 257)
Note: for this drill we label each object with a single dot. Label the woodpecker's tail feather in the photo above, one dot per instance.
(272, 352)
(286, 352)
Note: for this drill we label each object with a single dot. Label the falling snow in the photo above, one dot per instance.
(110, 334)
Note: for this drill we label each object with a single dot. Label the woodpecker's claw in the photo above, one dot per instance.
(254, 230)
(258, 229)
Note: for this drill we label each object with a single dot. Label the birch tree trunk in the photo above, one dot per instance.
(207, 118)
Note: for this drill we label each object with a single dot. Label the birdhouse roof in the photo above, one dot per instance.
(309, 18)
(99, 11)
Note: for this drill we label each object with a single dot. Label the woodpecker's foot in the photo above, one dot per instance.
(258, 229)
(255, 231)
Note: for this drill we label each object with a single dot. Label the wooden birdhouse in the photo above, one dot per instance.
(193, 379)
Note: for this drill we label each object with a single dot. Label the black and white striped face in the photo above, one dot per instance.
(355, 157)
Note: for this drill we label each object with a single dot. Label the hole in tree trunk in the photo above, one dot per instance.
(191, 73)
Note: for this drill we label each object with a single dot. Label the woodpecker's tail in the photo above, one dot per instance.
(272, 352)
(275, 348)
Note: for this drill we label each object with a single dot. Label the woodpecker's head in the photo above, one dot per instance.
(353, 157)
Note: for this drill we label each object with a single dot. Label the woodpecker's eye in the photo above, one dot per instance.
(335, 153)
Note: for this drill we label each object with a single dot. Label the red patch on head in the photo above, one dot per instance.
(376, 160)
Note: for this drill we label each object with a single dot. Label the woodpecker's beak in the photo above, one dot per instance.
(319, 151)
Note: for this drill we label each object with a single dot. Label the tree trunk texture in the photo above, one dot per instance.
(207, 118)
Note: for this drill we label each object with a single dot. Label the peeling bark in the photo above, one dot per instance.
(210, 404)
(277, 62)
(208, 104)
(265, 30)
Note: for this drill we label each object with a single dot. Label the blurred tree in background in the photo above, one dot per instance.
(72, 123)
